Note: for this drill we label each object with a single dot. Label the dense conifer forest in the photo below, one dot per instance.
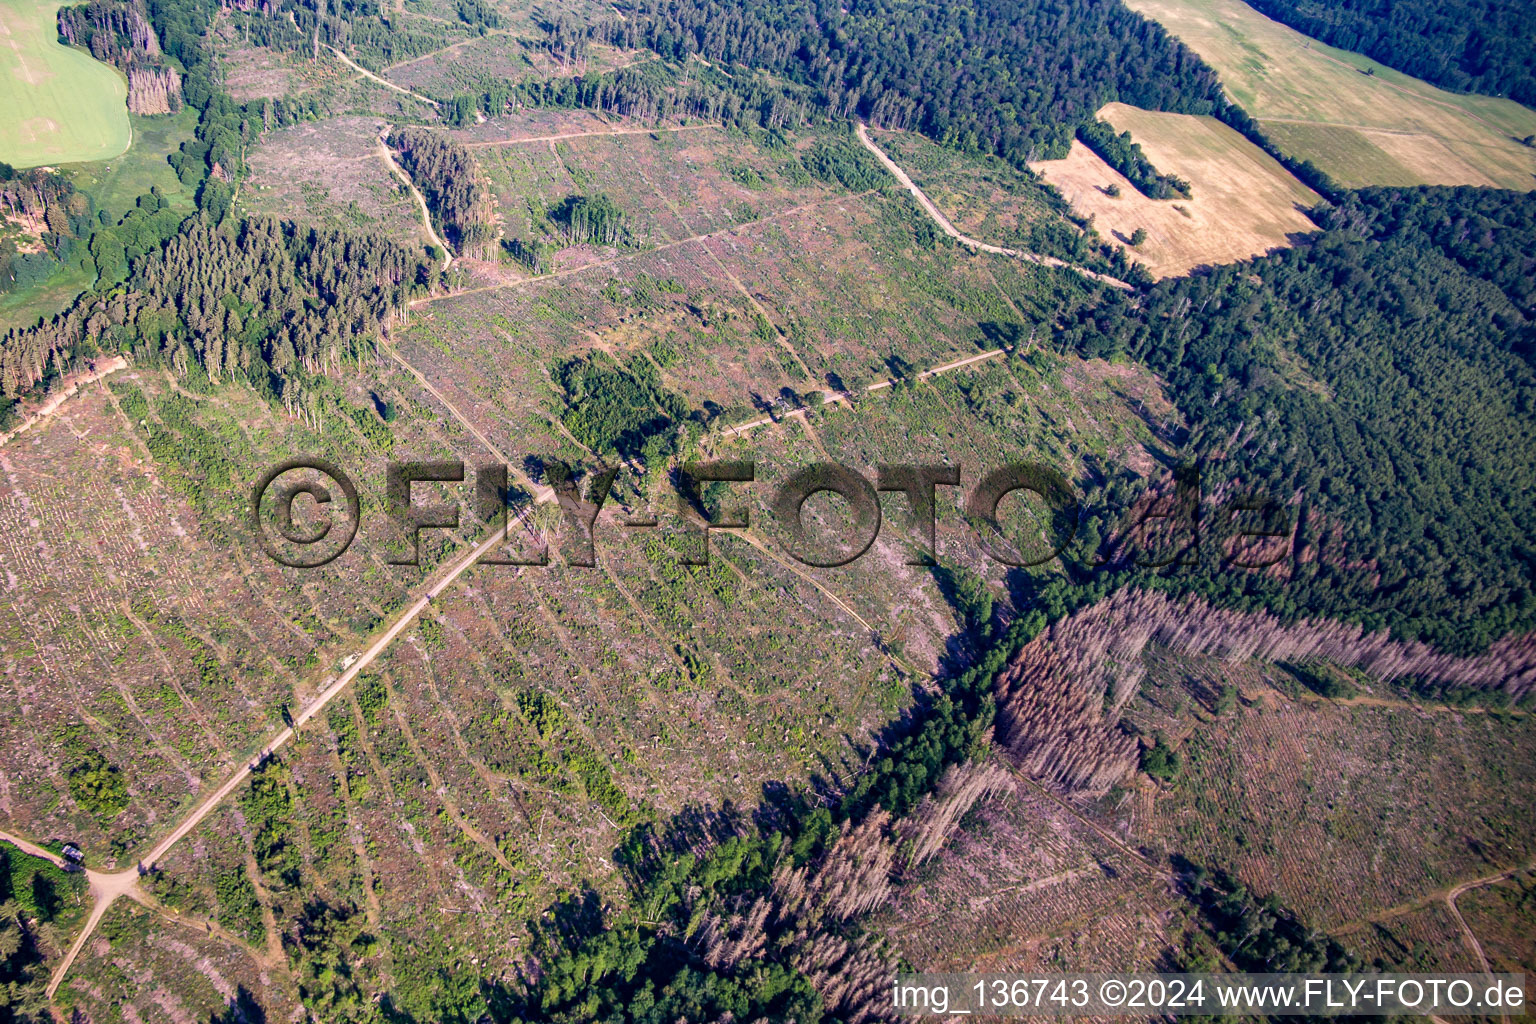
(1382, 377)
(263, 301)
(450, 181)
(1031, 71)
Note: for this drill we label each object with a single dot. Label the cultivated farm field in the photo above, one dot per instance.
(1243, 202)
(62, 106)
(1318, 103)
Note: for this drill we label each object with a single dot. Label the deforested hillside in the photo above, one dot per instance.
(617, 734)
(1059, 701)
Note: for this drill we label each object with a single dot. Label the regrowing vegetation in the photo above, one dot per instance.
(748, 790)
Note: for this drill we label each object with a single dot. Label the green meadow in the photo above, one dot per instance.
(57, 105)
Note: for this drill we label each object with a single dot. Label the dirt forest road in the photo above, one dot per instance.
(386, 83)
(388, 156)
(950, 230)
(106, 888)
(880, 385)
(1466, 929)
(488, 143)
(1448, 897)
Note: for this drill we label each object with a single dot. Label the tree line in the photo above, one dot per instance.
(1126, 157)
(175, 284)
(119, 32)
(1011, 77)
(44, 217)
(362, 29)
(259, 301)
(1482, 46)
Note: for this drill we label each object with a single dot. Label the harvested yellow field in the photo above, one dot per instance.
(1361, 122)
(1244, 203)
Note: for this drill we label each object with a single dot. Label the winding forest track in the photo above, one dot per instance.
(1466, 930)
(386, 83)
(107, 887)
(388, 156)
(950, 230)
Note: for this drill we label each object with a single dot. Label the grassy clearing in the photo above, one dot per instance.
(116, 185)
(1244, 203)
(23, 308)
(61, 106)
(1382, 128)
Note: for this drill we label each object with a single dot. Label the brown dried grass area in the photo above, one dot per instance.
(1336, 108)
(1244, 203)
